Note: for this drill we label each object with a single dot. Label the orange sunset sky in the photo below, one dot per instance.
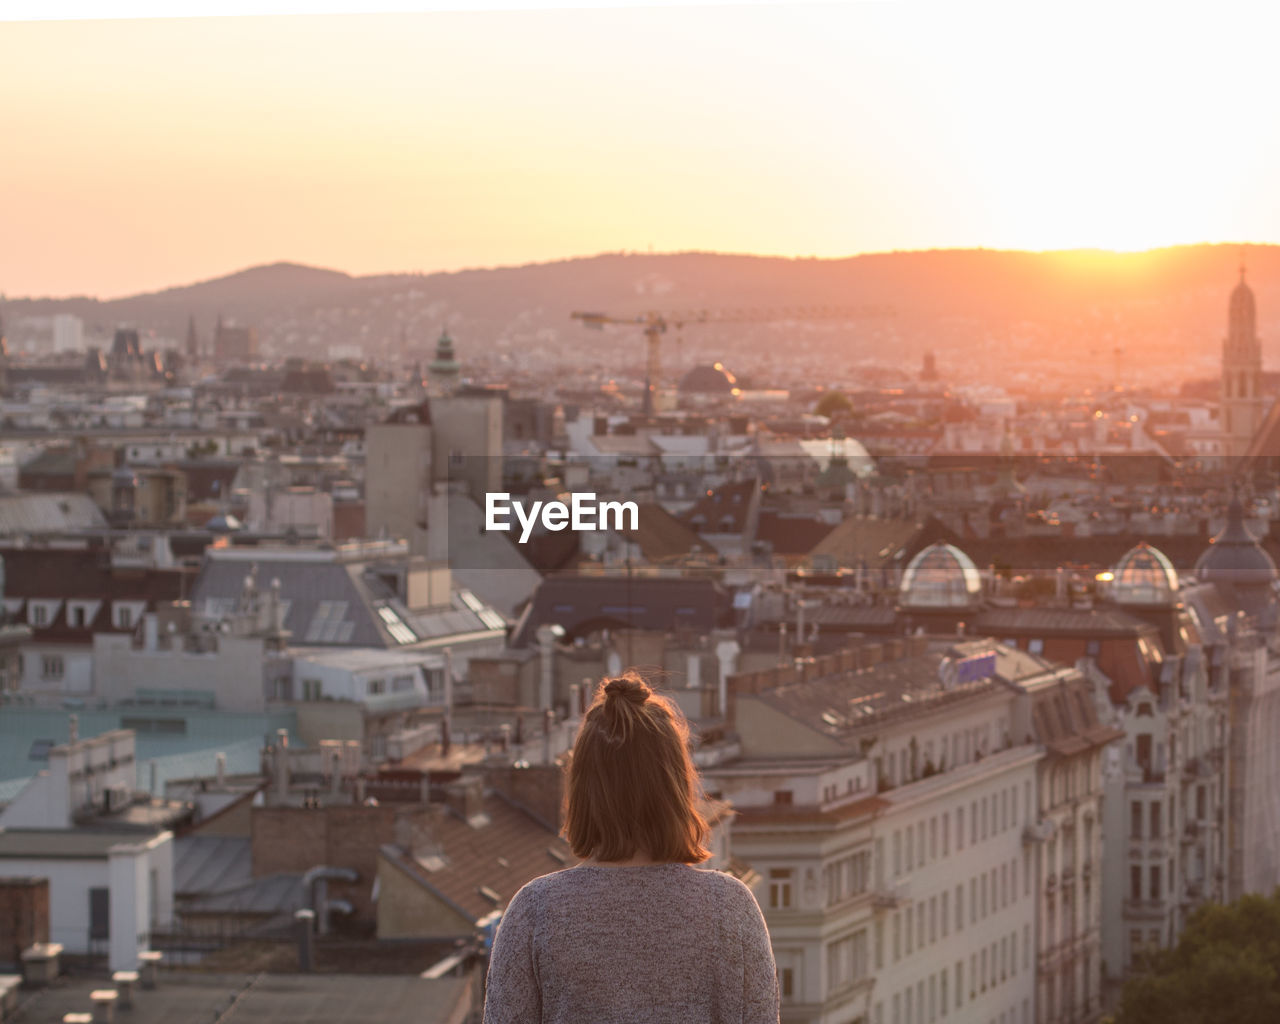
(138, 154)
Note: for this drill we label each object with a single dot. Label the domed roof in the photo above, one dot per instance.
(940, 576)
(1144, 575)
(711, 379)
(445, 364)
(1234, 556)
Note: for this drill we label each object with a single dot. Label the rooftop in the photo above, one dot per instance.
(276, 998)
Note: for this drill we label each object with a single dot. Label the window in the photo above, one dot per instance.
(375, 687)
(780, 888)
(1135, 820)
(959, 983)
(1035, 645)
(786, 982)
(1155, 882)
(959, 828)
(51, 666)
(1135, 882)
(99, 913)
(1155, 820)
(1200, 802)
(782, 797)
(39, 615)
(946, 913)
(959, 908)
(311, 689)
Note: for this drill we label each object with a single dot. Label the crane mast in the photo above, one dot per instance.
(654, 325)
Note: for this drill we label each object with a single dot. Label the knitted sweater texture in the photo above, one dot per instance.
(651, 944)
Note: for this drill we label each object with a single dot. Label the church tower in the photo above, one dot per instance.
(1243, 406)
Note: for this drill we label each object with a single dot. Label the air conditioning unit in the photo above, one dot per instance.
(117, 797)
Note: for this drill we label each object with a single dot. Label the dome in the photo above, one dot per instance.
(711, 379)
(445, 364)
(940, 576)
(1144, 575)
(1234, 557)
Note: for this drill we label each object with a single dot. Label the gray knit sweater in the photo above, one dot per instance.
(653, 944)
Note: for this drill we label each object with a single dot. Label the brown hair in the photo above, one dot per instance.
(632, 786)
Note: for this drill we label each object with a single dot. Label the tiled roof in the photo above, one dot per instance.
(871, 541)
(48, 513)
(842, 705)
(1065, 719)
(661, 536)
(1093, 622)
(791, 534)
(501, 856)
(582, 603)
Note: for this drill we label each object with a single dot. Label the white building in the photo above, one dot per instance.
(883, 800)
(1165, 790)
(106, 854)
(68, 333)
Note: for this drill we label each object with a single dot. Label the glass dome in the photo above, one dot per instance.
(1144, 575)
(940, 576)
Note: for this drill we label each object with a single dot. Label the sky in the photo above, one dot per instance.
(138, 154)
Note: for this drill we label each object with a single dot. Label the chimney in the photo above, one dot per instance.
(465, 796)
(150, 632)
(335, 773)
(220, 769)
(546, 650)
(280, 764)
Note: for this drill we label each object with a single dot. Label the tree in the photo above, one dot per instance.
(833, 405)
(1226, 967)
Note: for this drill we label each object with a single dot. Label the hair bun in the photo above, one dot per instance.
(629, 689)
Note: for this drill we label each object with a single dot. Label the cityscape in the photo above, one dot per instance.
(322, 527)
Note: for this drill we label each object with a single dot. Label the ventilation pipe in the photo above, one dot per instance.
(304, 922)
(220, 769)
(727, 652)
(315, 883)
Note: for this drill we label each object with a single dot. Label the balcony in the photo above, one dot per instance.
(1147, 909)
(891, 896)
(1038, 831)
(1192, 832)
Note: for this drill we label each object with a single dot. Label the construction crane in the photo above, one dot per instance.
(656, 324)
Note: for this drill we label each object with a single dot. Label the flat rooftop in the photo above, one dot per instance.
(278, 998)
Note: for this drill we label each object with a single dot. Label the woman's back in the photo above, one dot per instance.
(648, 944)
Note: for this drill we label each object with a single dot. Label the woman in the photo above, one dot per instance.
(634, 934)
